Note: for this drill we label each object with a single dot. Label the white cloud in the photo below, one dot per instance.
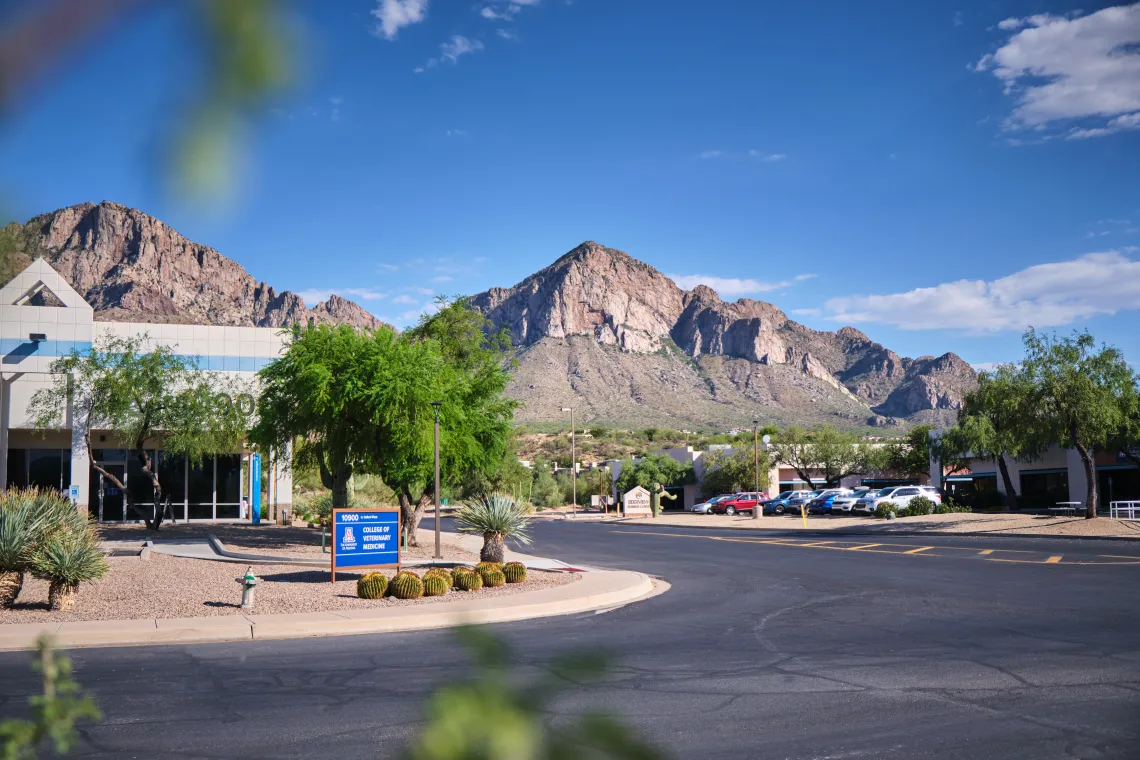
(506, 34)
(442, 278)
(767, 157)
(451, 51)
(711, 154)
(733, 286)
(807, 312)
(985, 366)
(506, 14)
(393, 15)
(424, 291)
(456, 133)
(958, 20)
(314, 296)
(404, 299)
(1061, 69)
(1045, 295)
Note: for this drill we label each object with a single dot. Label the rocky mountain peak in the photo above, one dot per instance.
(132, 267)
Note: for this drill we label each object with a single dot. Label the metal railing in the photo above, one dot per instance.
(1124, 510)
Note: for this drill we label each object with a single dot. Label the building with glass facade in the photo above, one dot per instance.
(41, 319)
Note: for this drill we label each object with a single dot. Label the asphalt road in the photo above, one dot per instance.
(873, 648)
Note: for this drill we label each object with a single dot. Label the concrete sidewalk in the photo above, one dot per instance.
(594, 591)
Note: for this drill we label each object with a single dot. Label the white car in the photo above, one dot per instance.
(846, 503)
(900, 496)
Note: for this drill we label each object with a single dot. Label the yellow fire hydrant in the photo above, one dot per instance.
(248, 584)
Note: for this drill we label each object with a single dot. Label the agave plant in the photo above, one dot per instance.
(65, 561)
(28, 518)
(497, 518)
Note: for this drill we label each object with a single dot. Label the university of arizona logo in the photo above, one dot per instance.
(348, 537)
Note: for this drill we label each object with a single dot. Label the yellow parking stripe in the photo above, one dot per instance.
(986, 551)
(864, 546)
(919, 550)
(1053, 560)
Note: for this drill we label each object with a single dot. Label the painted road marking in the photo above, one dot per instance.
(915, 551)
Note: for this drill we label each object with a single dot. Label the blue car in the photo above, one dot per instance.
(778, 505)
(821, 505)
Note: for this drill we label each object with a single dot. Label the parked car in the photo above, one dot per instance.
(778, 504)
(705, 507)
(799, 498)
(822, 504)
(741, 502)
(846, 503)
(900, 496)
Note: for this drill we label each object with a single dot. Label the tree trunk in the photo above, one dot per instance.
(154, 522)
(11, 581)
(61, 596)
(494, 550)
(1090, 479)
(1011, 500)
(411, 512)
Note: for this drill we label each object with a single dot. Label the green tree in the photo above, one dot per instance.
(1080, 393)
(316, 393)
(1126, 441)
(998, 421)
(912, 455)
(732, 473)
(654, 471)
(146, 399)
(546, 492)
(832, 453)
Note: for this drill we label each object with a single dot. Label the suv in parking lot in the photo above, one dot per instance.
(741, 502)
(846, 503)
(900, 496)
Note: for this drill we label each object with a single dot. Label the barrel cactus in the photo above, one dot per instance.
(493, 577)
(436, 584)
(483, 566)
(371, 586)
(407, 586)
(442, 572)
(515, 572)
(468, 580)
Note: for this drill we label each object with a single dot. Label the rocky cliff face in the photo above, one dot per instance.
(612, 300)
(132, 267)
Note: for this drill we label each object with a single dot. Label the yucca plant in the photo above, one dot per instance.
(28, 518)
(65, 561)
(497, 518)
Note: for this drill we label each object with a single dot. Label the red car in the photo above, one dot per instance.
(741, 502)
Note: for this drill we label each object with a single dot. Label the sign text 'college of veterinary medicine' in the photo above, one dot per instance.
(365, 538)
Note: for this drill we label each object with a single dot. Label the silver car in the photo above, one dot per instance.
(705, 506)
(846, 503)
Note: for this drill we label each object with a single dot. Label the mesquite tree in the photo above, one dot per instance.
(145, 398)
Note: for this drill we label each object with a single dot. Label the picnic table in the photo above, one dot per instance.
(1124, 510)
(1066, 508)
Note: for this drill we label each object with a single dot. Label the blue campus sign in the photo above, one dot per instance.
(365, 538)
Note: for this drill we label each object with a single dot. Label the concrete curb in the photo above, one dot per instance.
(854, 532)
(263, 559)
(594, 591)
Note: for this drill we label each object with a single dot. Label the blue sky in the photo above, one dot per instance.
(937, 174)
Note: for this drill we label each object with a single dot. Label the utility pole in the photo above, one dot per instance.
(438, 553)
(758, 510)
(573, 467)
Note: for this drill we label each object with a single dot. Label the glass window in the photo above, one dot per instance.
(200, 482)
(229, 486)
(17, 468)
(139, 483)
(45, 469)
(110, 455)
(172, 480)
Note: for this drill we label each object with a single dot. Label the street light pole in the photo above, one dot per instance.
(573, 468)
(758, 510)
(437, 405)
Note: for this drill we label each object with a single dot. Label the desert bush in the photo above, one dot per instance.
(66, 560)
(920, 506)
(496, 517)
(885, 509)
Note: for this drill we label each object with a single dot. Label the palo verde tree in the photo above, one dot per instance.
(1080, 394)
(912, 455)
(998, 421)
(735, 472)
(830, 452)
(315, 393)
(145, 398)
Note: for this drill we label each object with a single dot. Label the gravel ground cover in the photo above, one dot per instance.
(960, 522)
(173, 587)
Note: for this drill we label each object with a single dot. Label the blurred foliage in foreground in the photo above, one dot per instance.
(492, 716)
(53, 714)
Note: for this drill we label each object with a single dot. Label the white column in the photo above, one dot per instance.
(1078, 483)
(80, 461)
(935, 460)
(5, 406)
(283, 488)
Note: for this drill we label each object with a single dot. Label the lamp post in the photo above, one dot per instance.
(758, 510)
(437, 405)
(573, 469)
